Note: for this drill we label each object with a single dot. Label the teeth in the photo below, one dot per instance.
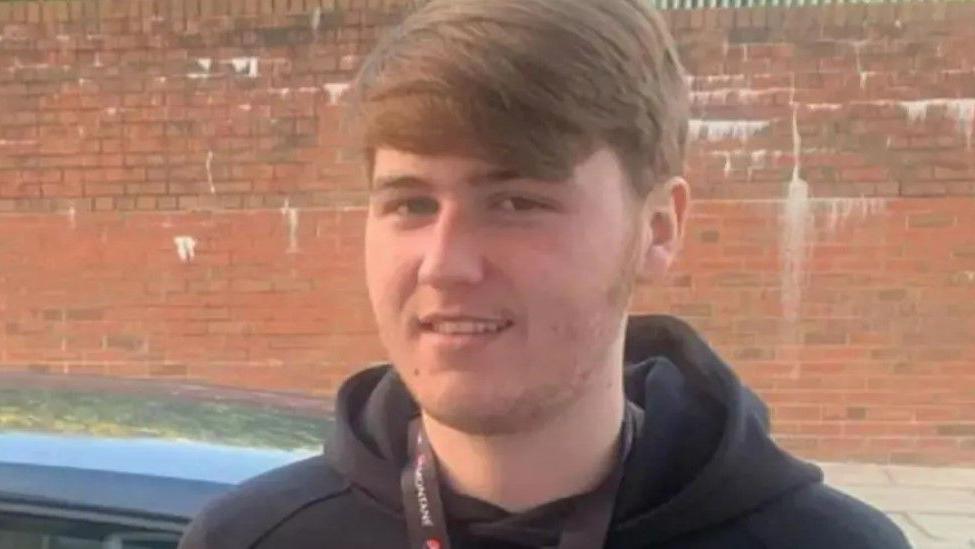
(467, 327)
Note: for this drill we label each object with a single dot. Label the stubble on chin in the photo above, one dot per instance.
(519, 413)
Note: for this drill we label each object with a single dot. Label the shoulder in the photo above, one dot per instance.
(244, 515)
(817, 515)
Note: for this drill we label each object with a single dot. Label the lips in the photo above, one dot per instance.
(455, 325)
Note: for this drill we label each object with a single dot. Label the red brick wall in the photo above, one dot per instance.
(177, 202)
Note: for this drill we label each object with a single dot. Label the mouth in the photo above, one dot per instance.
(463, 326)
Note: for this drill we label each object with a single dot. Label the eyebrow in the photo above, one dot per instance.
(411, 182)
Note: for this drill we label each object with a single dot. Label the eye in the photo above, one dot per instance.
(520, 204)
(413, 207)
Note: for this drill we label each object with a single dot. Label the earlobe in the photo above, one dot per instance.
(665, 215)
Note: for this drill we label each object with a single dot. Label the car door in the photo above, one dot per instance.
(42, 525)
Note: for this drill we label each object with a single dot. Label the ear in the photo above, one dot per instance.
(664, 217)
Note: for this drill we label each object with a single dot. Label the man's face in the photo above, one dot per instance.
(499, 298)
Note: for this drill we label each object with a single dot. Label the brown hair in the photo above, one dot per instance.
(533, 85)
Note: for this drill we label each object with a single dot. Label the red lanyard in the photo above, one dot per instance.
(425, 517)
(585, 528)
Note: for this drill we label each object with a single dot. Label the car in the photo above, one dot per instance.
(101, 463)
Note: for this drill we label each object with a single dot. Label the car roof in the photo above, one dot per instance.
(145, 447)
(151, 457)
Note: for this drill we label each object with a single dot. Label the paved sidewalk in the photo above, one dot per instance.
(934, 506)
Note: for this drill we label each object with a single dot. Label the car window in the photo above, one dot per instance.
(31, 532)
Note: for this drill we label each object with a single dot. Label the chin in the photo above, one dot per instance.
(476, 406)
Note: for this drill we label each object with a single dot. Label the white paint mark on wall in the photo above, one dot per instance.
(721, 96)
(209, 167)
(316, 18)
(857, 46)
(245, 65)
(961, 110)
(245, 107)
(864, 77)
(917, 111)
(758, 158)
(335, 91)
(726, 155)
(72, 216)
(824, 106)
(291, 217)
(762, 158)
(98, 61)
(185, 248)
(796, 230)
(204, 63)
(839, 213)
(718, 130)
(710, 97)
(728, 80)
(841, 210)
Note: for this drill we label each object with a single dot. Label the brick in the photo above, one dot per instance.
(125, 203)
(103, 189)
(167, 202)
(84, 314)
(145, 188)
(931, 220)
(104, 203)
(957, 429)
(924, 188)
(145, 203)
(168, 370)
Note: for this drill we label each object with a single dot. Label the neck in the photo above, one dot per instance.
(569, 454)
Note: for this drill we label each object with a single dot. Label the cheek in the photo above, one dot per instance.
(574, 262)
(570, 285)
(386, 273)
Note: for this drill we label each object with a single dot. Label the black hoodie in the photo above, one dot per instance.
(702, 473)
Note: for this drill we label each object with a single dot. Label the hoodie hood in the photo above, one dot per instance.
(702, 455)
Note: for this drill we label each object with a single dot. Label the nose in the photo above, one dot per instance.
(452, 255)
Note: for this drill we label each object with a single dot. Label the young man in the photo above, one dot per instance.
(525, 159)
